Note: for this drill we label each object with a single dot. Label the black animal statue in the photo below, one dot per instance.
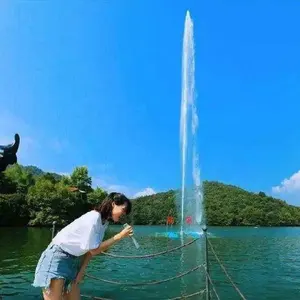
(8, 153)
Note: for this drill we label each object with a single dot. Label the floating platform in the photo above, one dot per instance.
(177, 234)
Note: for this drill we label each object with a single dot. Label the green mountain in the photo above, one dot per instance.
(225, 205)
(35, 171)
(30, 196)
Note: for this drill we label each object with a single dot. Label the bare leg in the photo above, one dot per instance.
(74, 294)
(55, 290)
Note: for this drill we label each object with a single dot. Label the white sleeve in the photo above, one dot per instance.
(91, 234)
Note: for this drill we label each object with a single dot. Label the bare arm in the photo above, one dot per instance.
(105, 245)
(102, 247)
(108, 243)
(87, 257)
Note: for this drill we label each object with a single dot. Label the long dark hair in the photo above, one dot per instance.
(105, 207)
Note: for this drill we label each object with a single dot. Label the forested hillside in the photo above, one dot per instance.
(29, 196)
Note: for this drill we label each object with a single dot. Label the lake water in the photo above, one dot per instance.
(263, 262)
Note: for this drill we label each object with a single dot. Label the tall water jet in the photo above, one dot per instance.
(191, 204)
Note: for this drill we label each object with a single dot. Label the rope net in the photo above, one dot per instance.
(225, 271)
(156, 282)
(152, 254)
(146, 282)
(200, 293)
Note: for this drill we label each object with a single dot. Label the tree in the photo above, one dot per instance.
(40, 199)
(81, 179)
(96, 197)
(51, 177)
(7, 186)
(13, 210)
(66, 180)
(48, 202)
(20, 177)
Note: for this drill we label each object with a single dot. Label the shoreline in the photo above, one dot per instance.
(162, 225)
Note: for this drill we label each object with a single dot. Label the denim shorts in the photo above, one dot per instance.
(55, 263)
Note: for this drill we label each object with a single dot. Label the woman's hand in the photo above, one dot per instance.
(127, 231)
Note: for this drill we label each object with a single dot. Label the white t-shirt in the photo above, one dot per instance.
(83, 234)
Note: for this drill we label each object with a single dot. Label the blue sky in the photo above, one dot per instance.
(98, 83)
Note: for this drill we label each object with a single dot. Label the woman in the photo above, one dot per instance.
(62, 265)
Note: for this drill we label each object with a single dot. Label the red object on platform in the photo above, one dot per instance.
(170, 220)
(188, 220)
